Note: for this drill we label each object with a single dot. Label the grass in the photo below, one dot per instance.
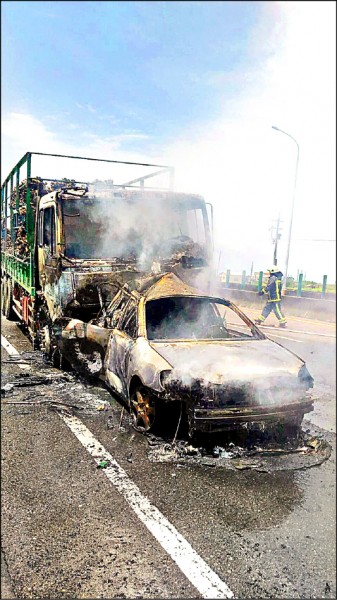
(312, 287)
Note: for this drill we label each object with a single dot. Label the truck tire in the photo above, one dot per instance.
(3, 294)
(8, 303)
(48, 345)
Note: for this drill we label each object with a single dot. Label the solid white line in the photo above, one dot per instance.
(284, 337)
(12, 351)
(300, 319)
(206, 581)
(302, 332)
(328, 335)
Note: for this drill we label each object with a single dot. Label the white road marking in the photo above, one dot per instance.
(302, 332)
(197, 571)
(206, 581)
(328, 335)
(284, 337)
(293, 318)
(12, 351)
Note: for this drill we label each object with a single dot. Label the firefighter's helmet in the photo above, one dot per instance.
(273, 270)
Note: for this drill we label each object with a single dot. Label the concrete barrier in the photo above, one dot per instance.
(310, 308)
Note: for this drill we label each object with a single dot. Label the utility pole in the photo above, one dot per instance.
(276, 237)
(292, 206)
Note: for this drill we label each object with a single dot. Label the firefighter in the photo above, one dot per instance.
(273, 290)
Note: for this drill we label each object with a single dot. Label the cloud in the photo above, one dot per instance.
(112, 119)
(23, 133)
(87, 107)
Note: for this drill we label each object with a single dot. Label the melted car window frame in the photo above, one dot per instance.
(129, 312)
(224, 332)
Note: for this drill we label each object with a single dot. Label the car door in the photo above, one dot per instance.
(121, 341)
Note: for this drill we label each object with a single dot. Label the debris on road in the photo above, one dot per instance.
(309, 451)
(248, 464)
(56, 390)
(110, 422)
(7, 388)
(104, 464)
(16, 361)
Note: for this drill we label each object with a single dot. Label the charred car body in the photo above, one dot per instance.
(161, 342)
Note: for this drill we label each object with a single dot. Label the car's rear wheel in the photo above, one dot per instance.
(144, 409)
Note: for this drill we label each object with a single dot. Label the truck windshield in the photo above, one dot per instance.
(118, 228)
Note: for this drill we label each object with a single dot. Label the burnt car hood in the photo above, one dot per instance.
(222, 361)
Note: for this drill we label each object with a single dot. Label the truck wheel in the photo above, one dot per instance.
(8, 309)
(48, 346)
(3, 294)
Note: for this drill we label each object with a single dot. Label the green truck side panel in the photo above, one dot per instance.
(29, 216)
(21, 271)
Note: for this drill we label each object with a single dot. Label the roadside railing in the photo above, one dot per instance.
(299, 287)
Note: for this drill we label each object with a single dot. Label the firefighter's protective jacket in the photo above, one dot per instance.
(273, 288)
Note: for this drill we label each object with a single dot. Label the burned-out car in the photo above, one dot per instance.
(163, 343)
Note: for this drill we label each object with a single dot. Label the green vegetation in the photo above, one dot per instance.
(310, 286)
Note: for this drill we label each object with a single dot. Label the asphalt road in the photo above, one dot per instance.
(147, 529)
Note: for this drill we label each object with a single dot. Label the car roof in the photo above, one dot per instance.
(170, 285)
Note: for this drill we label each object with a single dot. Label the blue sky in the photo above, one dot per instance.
(115, 67)
(197, 85)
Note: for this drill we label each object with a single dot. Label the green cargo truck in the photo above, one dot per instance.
(67, 245)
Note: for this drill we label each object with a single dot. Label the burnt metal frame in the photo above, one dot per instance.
(163, 168)
(15, 268)
(24, 273)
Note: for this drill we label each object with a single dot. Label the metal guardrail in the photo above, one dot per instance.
(300, 290)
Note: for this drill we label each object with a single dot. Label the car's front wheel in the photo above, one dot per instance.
(144, 409)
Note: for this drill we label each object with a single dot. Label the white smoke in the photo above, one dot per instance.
(137, 225)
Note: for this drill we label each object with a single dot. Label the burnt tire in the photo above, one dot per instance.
(144, 409)
(3, 294)
(48, 344)
(51, 352)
